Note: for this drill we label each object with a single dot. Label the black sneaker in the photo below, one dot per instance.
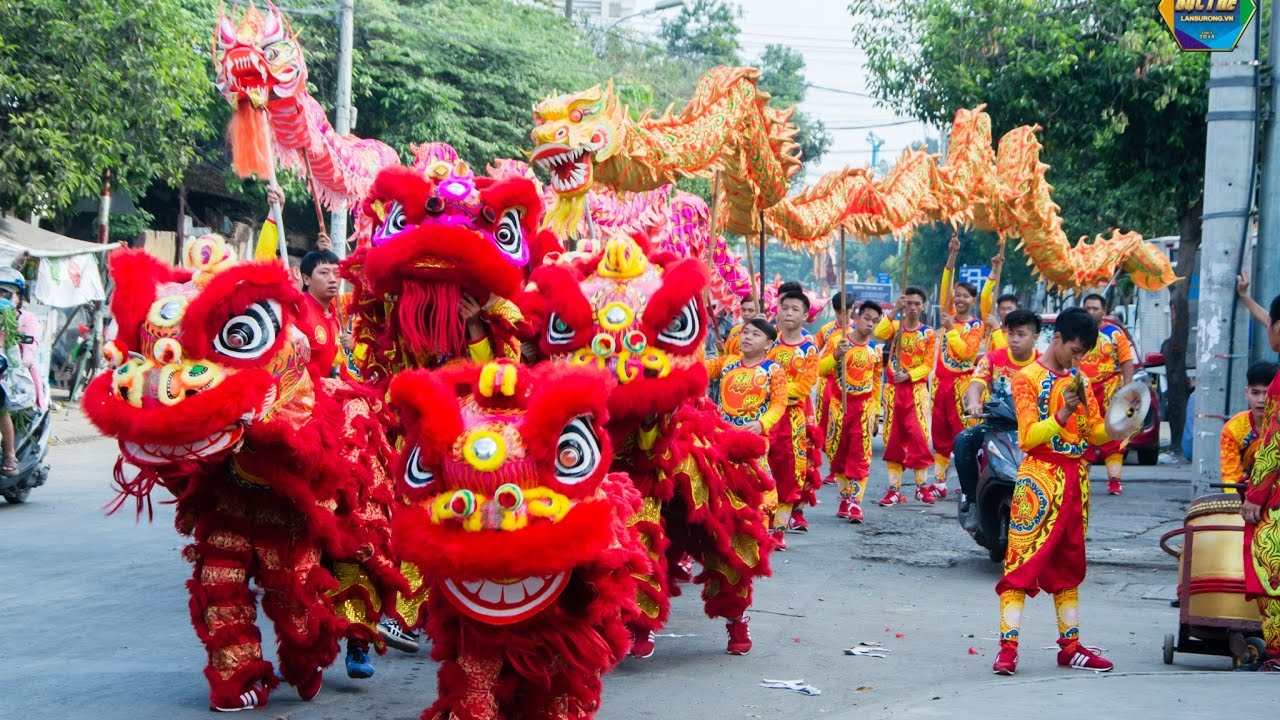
(399, 638)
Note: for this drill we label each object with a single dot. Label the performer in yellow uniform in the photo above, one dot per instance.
(962, 338)
(793, 451)
(853, 407)
(750, 311)
(1058, 418)
(913, 348)
(1109, 366)
(1240, 436)
(753, 389)
(833, 330)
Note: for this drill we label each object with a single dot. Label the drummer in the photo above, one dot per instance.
(1240, 436)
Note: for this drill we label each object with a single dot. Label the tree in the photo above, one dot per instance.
(1122, 109)
(705, 32)
(90, 85)
(782, 76)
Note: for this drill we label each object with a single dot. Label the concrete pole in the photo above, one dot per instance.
(1228, 167)
(342, 115)
(1265, 280)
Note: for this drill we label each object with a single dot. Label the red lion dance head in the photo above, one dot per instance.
(519, 532)
(638, 315)
(441, 233)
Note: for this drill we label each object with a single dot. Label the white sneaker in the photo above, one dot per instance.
(397, 637)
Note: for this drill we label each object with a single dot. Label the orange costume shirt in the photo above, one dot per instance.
(960, 349)
(733, 341)
(862, 369)
(916, 349)
(1239, 446)
(1037, 397)
(995, 370)
(800, 362)
(825, 333)
(1102, 364)
(749, 393)
(320, 325)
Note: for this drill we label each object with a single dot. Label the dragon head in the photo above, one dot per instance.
(638, 315)
(200, 355)
(441, 232)
(257, 59)
(504, 475)
(571, 132)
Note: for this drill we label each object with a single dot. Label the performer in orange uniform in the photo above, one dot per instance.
(1058, 418)
(1261, 512)
(962, 338)
(753, 388)
(793, 452)
(910, 364)
(1240, 436)
(750, 311)
(833, 330)
(853, 407)
(1109, 365)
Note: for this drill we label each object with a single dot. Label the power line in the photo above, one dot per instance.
(873, 126)
(839, 91)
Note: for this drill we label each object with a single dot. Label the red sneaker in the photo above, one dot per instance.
(893, 496)
(779, 539)
(1007, 661)
(311, 687)
(1078, 657)
(925, 494)
(798, 523)
(1113, 487)
(739, 636)
(940, 489)
(829, 480)
(641, 643)
(855, 512)
(842, 511)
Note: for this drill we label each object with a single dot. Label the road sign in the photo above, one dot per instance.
(884, 279)
(878, 292)
(973, 274)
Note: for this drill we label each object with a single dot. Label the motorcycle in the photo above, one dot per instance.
(32, 428)
(986, 516)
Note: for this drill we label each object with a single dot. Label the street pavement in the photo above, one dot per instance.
(94, 623)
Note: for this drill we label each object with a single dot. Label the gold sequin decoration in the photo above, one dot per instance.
(747, 548)
(410, 606)
(650, 511)
(736, 501)
(229, 659)
(353, 609)
(647, 605)
(212, 574)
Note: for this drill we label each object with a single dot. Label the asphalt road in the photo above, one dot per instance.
(94, 624)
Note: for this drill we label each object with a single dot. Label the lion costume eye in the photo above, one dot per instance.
(395, 222)
(414, 473)
(558, 331)
(684, 327)
(577, 452)
(509, 235)
(252, 333)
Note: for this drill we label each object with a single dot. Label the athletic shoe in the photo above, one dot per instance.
(641, 643)
(1078, 657)
(842, 511)
(1113, 487)
(739, 636)
(940, 489)
(1007, 661)
(779, 536)
(358, 665)
(798, 523)
(1271, 665)
(254, 697)
(855, 513)
(398, 637)
(311, 686)
(925, 494)
(893, 496)
(829, 480)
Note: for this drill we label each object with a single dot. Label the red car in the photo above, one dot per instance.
(1147, 442)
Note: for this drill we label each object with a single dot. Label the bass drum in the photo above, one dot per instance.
(1211, 566)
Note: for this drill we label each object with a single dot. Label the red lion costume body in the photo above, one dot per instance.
(522, 538)
(642, 319)
(273, 474)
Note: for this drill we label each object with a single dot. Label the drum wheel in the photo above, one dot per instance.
(1168, 648)
(1248, 653)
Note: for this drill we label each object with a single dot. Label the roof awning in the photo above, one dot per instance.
(17, 237)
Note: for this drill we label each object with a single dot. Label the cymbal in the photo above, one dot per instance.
(1128, 410)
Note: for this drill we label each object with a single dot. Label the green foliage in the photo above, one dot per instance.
(1122, 109)
(91, 85)
(129, 226)
(782, 76)
(705, 32)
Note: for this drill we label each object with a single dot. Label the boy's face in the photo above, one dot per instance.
(749, 310)
(1006, 307)
(1256, 395)
(842, 318)
(912, 306)
(791, 314)
(1022, 340)
(963, 300)
(1066, 353)
(753, 341)
(867, 321)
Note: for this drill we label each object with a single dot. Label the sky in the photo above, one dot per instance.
(820, 30)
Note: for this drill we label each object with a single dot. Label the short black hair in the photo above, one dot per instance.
(317, 257)
(792, 290)
(1275, 309)
(913, 290)
(765, 327)
(1008, 297)
(1075, 323)
(973, 289)
(1094, 296)
(1022, 318)
(838, 301)
(1261, 373)
(870, 305)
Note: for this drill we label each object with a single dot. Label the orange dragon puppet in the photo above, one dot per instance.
(642, 318)
(274, 477)
(521, 534)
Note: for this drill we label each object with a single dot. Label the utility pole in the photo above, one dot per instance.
(568, 9)
(344, 111)
(1228, 202)
(1265, 281)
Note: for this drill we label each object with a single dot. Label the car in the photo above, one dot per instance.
(1146, 444)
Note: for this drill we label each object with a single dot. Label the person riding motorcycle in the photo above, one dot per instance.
(19, 382)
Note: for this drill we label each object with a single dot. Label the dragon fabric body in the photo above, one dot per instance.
(278, 480)
(641, 318)
(522, 537)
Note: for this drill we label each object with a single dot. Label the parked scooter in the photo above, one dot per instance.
(987, 516)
